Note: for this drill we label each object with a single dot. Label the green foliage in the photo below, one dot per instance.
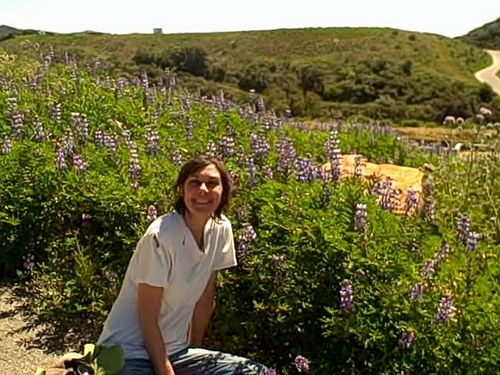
(303, 70)
(81, 221)
(486, 36)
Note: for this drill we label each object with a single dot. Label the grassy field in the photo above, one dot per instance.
(379, 72)
(438, 134)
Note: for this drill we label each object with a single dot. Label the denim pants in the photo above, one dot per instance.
(197, 361)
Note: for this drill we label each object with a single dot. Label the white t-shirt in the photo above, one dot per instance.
(168, 256)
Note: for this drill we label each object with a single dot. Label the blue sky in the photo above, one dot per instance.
(446, 17)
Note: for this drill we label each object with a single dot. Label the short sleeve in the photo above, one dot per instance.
(227, 253)
(151, 262)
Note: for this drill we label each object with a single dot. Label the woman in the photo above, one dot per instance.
(167, 297)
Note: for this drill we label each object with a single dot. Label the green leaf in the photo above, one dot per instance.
(88, 350)
(111, 359)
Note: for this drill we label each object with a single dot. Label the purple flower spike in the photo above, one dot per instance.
(346, 296)
(446, 309)
(406, 339)
(360, 217)
(301, 363)
(29, 262)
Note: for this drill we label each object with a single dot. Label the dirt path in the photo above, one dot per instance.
(489, 75)
(20, 354)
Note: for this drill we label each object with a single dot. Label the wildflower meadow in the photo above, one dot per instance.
(334, 276)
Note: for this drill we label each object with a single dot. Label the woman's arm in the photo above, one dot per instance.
(203, 312)
(149, 300)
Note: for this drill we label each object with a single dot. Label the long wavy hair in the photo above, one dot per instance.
(195, 165)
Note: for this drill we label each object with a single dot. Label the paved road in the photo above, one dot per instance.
(488, 75)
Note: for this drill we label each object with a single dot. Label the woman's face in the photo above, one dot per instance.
(202, 191)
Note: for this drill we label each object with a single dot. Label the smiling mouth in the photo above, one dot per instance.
(202, 201)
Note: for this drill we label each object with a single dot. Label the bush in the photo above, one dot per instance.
(77, 183)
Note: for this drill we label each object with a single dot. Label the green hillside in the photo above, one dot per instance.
(384, 74)
(486, 36)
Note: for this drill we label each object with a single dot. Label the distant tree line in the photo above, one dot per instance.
(379, 89)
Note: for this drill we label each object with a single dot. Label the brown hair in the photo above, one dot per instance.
(196, 164)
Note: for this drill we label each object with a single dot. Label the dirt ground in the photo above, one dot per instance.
(20, 353)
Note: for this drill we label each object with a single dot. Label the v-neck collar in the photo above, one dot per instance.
(188, 236)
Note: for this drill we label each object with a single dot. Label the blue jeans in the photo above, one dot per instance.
(197, 361)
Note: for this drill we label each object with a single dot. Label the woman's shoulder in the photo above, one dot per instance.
(223, 224)
(165, 223)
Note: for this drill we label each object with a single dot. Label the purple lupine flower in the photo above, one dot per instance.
(186, 103)
(268, 172)
(463, 227)
(286, 156)
(29, 262)
(446, 310)
(189, 130)
(472, 241)
(60, 159)
(144, 81)
(99, 138)
(387, 195)
(428, 269)
(443, 252)
(407, 338)
(17, 123)
(211, 148)
(278, 260)
(78, 163)
(111, 142)
(270, 371)
(33, 82)
(411, 200)
(360, 217)
(152, 141)
(333, 154)
(301, 363)
(68, 144)
(346, 296)
(7, 145)
(55, 112)
(244, 239)
(260, 145)
(134, 166)
(252, 171)
(227, 145)
(39, 132)
(177, 157)
(16, 117)
(417, 291)
(429, 209)
(152, 214)
(305, 170)
(81, 124)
